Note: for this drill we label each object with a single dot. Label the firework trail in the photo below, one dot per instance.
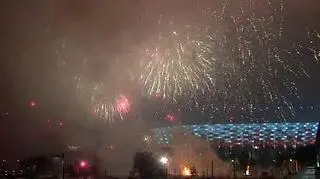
(256, 70)
(314, 44)
(252, 73)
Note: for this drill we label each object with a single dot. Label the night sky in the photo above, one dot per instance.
(44, 46)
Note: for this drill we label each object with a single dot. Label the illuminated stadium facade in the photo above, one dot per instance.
(276, 134)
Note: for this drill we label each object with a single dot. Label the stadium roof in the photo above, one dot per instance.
(247, 134)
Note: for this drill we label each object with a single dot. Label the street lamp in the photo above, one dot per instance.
(234, 167)
(165, 161)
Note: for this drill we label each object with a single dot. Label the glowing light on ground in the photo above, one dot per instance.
(83, 164)
(248, 171)
(186, 171)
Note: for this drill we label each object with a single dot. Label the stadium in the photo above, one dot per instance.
(251, 148)
(283, 134)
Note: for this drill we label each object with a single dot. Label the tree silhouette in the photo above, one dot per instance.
(145, 166)
(193, 171)
(306, 155)
(244, 159)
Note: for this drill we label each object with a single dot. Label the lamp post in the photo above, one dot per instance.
(234, 168)
(62, 156)
(212, 168)
(165, 162)
(59, 163)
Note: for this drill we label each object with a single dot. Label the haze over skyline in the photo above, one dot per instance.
(51, 50)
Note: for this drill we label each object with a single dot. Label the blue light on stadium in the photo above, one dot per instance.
(247, 134)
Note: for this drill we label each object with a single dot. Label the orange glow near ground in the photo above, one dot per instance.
(186, 171)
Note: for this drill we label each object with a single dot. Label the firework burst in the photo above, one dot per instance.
(175, 62)
(257, 69)
(240, 67)
(233, 60)
(254, 73)
(105, 100)
(122, 104)
(111, 109)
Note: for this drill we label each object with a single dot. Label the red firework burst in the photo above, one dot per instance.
(123, 104)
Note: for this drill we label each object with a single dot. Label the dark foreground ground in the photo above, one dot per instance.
(308, 173)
